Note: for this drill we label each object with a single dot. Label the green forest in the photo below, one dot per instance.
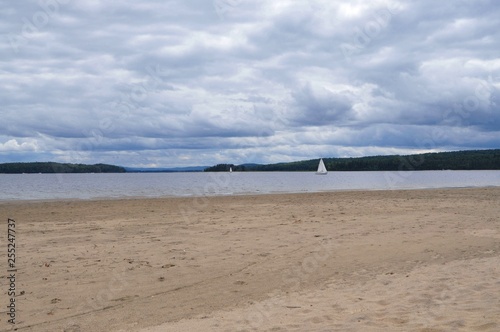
(52, 167)
(459, 160)
(226, 167)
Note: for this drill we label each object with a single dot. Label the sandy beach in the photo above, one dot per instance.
(416, 260)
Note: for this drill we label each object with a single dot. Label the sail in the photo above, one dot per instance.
(321, 168)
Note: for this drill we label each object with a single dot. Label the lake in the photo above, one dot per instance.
(128, 185)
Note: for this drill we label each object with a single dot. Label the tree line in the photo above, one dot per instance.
(458, 160)
(52, 167)
(226, 168)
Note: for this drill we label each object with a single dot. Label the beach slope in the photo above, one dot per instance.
(416, 260)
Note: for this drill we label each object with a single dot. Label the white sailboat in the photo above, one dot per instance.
(321, 168)
(230, 169)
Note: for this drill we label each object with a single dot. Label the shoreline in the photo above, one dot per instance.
(132, 198)
(277, 262)
(224, 184)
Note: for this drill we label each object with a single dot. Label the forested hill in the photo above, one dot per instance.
(460, 160)
(51, 167)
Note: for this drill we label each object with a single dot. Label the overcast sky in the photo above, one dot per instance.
(200, 82)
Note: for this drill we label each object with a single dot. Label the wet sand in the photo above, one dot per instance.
(416, 260)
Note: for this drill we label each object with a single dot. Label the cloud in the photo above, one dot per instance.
(13, 146)
(199, 82)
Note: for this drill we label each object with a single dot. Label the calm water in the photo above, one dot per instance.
(87, 186)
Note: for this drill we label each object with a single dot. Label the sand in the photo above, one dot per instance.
(416, 260)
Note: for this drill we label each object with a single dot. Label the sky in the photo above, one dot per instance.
(159, 83)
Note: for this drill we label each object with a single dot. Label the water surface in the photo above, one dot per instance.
(121, 185)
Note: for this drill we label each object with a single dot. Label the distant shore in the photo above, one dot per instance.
(57, 168)
(452, 160)
(399, 260)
